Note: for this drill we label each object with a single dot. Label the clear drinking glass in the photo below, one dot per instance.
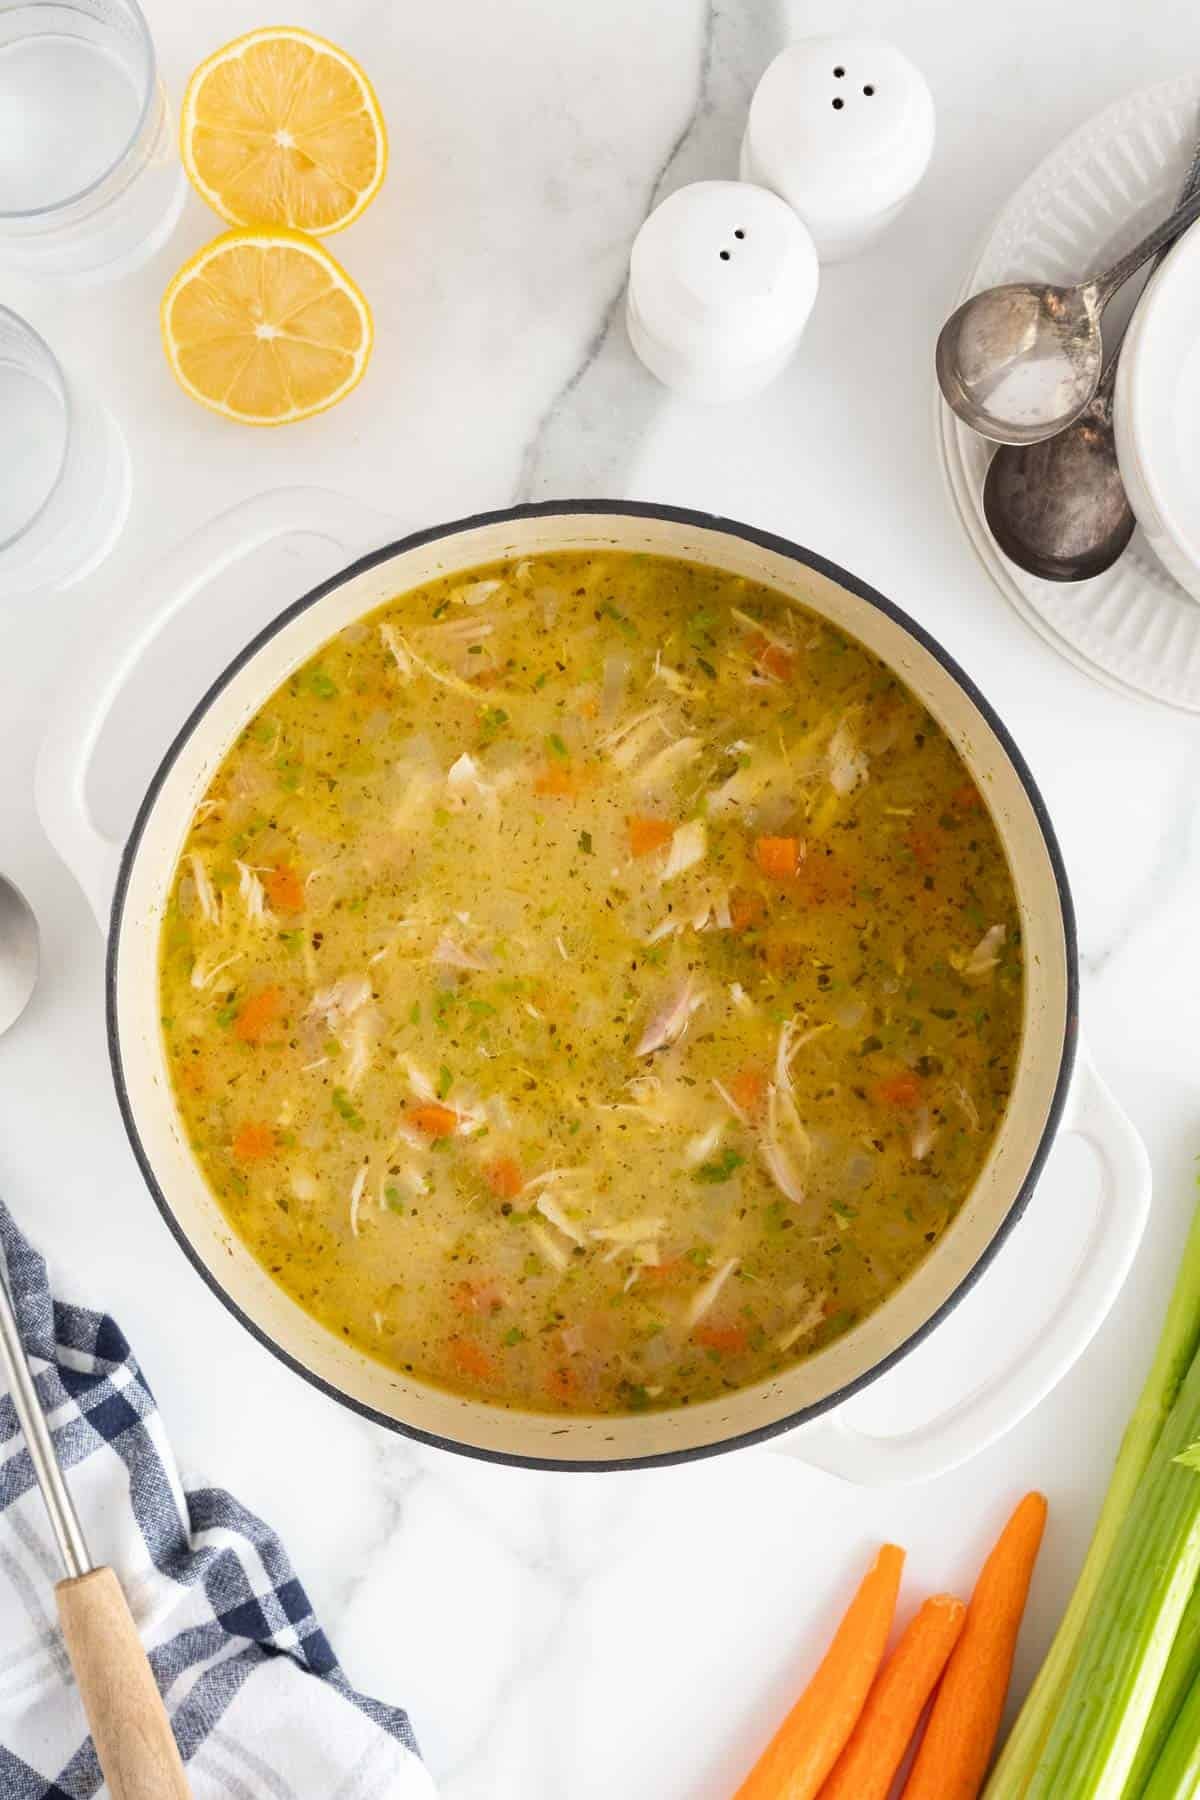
(90, 183)
(64, 468)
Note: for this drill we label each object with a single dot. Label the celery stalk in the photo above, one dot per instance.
(1177, 1348)
(1182, 1665)
(1177, 1772)
(1127, 1639)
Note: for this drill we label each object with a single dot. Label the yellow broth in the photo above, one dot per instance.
(591, 983)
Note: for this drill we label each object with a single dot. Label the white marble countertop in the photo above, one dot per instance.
(567, 1637)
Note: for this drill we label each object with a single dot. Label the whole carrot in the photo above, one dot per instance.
(867, 1766)
(957, 1746)
(814, 1734)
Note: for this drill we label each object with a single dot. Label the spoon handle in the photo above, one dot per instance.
(1191, 185)
(1103, 287)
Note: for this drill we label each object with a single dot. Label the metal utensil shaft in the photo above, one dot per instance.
(60, 1508)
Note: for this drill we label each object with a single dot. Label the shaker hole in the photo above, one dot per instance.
(868, 90)
(838, 105)
(739, 233)
(724, 256)
(839, 72)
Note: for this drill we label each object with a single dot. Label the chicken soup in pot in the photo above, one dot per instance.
(592, 983)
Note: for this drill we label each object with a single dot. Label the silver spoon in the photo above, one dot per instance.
(1020, 362)
(18, 954)
(1059, 508)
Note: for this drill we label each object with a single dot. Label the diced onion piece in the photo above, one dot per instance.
(689, 846)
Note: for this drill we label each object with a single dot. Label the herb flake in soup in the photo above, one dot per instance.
(592, 983)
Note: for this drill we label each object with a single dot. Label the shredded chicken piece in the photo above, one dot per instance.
(764, 631)
(965, 1104)
(924, 1134)
(984, 957)
(689, 846)
(394, 643)
(670, 1020)
(785, 1145)
(340, 1001)
(418, 1080)
(252, 893)
(549, 1208)
(553, 1253)
(630, 1236)
(812, 1316)
(741, 998)
(358, 1050)
(476, 593)
(210, 906)
(457, 956)
(704, 1300)
(562, 949)
(203, 975)
(356, 1194)
(630, 742)
(699, 1148)
(848, 764)
(669, 763)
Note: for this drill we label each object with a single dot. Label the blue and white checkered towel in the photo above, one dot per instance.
(261, 1709)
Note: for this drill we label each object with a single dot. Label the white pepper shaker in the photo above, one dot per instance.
(722, 278)
(842, 129)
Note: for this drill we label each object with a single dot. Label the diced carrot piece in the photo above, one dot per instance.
(285, 890)
(726, 1338)
(747, 910)
(748, 1087)
(777, 857)
(774, 658)
(904, 1089)
(258, 1015)
(253, 1143)
(967, 798)
(563, 783)
(469, 1358)
(925, 846)
(646, 835)
(434, 1120)
(504, 1177)
(562, 1384)
(477, 1296)
(663, 1273)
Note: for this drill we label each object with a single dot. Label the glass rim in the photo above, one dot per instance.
(32, 213)
(64, 394)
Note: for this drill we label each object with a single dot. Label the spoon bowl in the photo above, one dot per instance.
(1021, 362)
(19, 954)
(1059, 508)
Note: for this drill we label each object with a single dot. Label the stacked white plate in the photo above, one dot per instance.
(1091, 200)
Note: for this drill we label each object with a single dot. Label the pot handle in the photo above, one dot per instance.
(92, 686)
(833, 1443)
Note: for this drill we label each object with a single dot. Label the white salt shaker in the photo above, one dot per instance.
(722, 278)
(842, 128)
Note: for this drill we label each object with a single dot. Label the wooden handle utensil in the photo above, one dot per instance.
(129, 1724)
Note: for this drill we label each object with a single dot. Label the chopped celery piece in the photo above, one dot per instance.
(1176, 1349)
(1177, 1772)
(1126, 1642)
(1182, 1665)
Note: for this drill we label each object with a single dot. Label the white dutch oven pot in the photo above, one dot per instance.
(128, 887)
